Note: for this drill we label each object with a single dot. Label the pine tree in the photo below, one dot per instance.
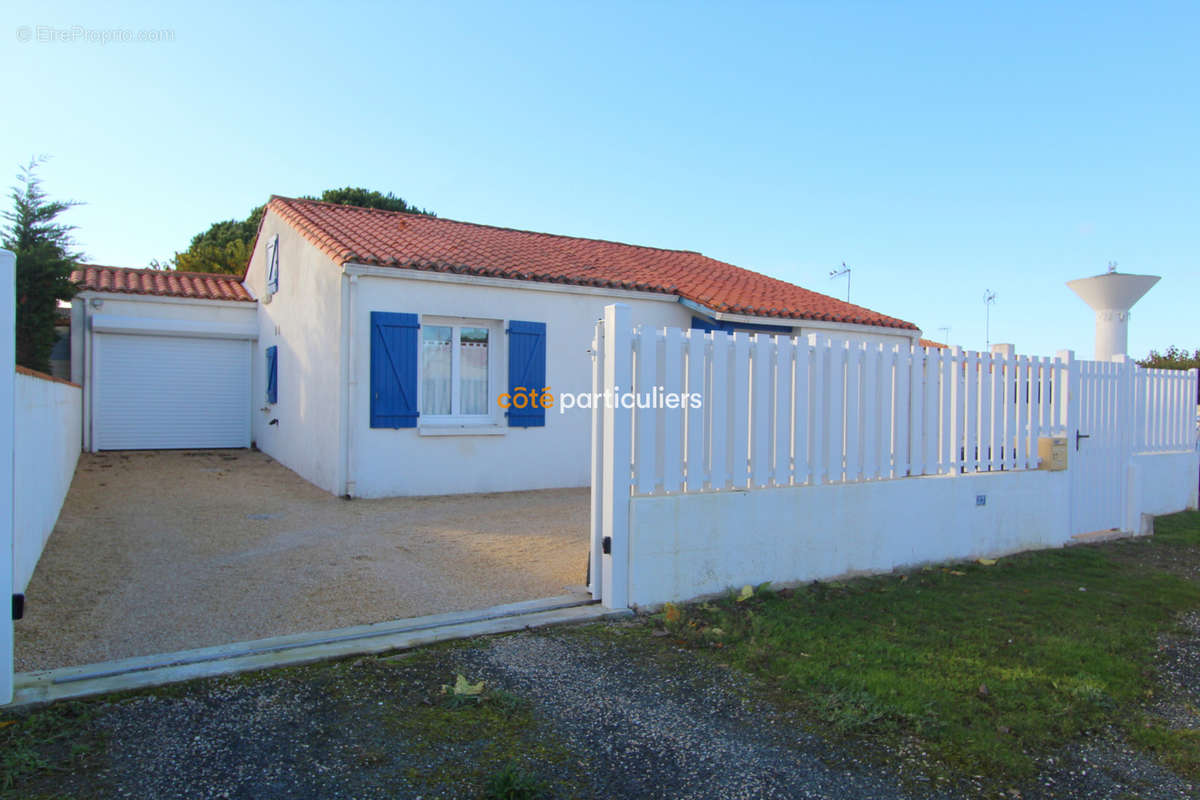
(44, 262)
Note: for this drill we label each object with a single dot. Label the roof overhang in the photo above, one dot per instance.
(207, 302)
(795, 322)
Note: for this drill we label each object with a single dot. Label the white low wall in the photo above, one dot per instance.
(686, 546)
(1166, 482)
(47, 434)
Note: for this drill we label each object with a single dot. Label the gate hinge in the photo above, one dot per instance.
(18, 606)
(606, 545)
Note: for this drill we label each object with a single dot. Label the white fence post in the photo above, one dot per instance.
(596, 561)
(618, 457)
(7, 365)
(1066, 393)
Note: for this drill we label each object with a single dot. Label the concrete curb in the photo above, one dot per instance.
(156, 670)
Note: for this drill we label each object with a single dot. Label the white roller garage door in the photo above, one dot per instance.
(165, 392)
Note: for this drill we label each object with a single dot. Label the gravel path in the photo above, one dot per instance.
(162, 551)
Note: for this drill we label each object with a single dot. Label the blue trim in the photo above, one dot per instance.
(526, 370)
(394, 354)
(702, 324)
(273, 374)
(273, 265)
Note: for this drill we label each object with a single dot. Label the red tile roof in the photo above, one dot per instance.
(160, 283)
(349, 234)
(932, 343)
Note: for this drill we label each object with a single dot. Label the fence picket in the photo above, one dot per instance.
(672, 418)
(1021, 414)
(760, 405)
(819, 430)
(854, 412)
(872, 378)
(836, 412)
(739, 443)
(717, 403)
(782, 453)
(801, 410)
(970, 426)
(696, 381)
(646, 417)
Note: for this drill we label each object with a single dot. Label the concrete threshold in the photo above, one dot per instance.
(1096, 537)
(301, 648)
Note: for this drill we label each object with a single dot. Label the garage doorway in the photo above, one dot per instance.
(169, 392)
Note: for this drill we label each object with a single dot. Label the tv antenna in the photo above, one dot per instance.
(1112, 267)
(946, 335)
(837, 273)
(989, 300)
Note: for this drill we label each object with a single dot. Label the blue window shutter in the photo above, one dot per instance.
(526, 370)
(273, 264)
(273, 374)
(394, 353)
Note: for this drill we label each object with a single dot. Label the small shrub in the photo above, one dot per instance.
(513, 782)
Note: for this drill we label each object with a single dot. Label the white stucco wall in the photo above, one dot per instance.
(1166, 482)
(162, 312)
(46, 440)
(686, 546)
(406, 462)
(304, 320)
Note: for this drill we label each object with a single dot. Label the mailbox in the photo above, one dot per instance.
(1052, 453)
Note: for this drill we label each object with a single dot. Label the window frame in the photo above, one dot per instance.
(495, 329)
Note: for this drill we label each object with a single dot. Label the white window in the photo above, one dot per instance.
(458, 370)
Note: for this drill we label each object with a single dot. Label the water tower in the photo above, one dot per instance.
(1111, 295)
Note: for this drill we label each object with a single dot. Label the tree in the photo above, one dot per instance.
(1173, 358)
(45, 259)
(225, 246)
(366, 198)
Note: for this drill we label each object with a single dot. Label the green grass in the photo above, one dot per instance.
(491, 741)
(984, 665)
(37, 745)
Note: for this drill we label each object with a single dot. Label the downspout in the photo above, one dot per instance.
(350, 394)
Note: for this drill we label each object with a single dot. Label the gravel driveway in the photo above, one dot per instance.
(162, 551)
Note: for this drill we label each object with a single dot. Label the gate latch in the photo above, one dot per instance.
(606, 545)
(1079, 436)
(18, 606)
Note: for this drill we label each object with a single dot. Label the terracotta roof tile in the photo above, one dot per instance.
(414, 241)
(160, 283)
(932, 343)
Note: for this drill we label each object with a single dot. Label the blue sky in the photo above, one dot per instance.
(939, 149)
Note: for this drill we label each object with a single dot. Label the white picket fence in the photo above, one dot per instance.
(1165, 410)
(779, 411)
(685, 413)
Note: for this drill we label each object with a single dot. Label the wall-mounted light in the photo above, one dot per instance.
(96, 302)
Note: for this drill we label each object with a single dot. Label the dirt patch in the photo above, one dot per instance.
(162, 551)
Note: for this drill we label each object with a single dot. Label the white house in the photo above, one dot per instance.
(369, 350)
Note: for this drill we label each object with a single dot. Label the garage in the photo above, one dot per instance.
(166, 359)
(170, 392)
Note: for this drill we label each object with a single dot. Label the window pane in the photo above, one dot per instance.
(435, 368)
(473, 370)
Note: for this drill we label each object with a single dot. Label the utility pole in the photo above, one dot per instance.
(837, 273)
(989, 300)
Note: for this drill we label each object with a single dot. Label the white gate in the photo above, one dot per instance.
(1100, 443)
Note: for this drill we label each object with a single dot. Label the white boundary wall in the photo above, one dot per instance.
(47, 437)
(684, 546)
(8, 322)
(821, 458)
